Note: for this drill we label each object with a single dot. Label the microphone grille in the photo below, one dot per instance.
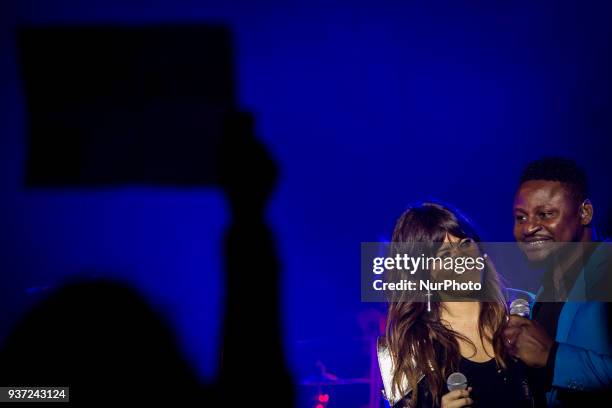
(456, 381)
(519, 307)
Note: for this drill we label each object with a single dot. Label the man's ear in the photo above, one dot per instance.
(586, 212)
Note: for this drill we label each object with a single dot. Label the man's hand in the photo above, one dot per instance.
(527, 340)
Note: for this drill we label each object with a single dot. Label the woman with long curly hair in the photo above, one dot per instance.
(428, 339)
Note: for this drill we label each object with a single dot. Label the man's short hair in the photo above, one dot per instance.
(559, 169)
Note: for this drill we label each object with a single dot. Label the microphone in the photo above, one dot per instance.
(456, 381)
(520, 307)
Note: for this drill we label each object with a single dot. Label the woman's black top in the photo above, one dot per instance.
(492, 387)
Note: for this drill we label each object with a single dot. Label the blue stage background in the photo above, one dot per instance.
(366, 106)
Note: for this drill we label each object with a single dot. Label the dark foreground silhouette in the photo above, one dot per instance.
(103, 341)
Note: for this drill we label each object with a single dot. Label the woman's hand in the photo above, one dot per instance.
(457, 399)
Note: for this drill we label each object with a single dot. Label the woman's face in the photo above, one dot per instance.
(456, 248)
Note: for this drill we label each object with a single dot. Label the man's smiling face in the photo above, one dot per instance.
(545, 213)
